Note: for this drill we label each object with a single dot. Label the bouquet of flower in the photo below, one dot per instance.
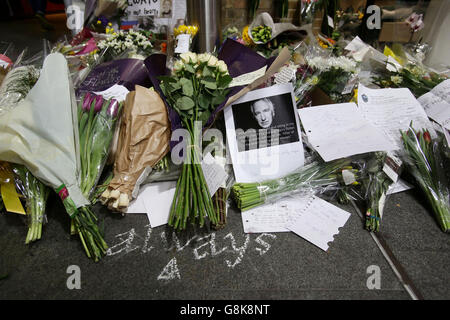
(335, 73)
(376, 187)
(97, 119)
(16, 85)
(184, 29)
(422, 156)
(314, 176)
(196, 87)
(41, 133)
(143, 141)
(129, 43)
(413, 76)
(35, 194)
(15, 88)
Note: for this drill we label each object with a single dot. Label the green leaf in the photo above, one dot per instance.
(209, 84)
(167, 79)
(189, 68)
(188, 89)
(218, 99)
(203, 101)
(174, 86)
(207, 72)
(204, 116)
(224, 81)
(185, 103)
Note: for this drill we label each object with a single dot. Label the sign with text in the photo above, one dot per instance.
(156, 8)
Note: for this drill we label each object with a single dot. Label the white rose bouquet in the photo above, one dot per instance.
(197, 86)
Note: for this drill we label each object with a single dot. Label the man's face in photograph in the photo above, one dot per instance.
(263, 112)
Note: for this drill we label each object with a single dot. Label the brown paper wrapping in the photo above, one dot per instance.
(144, 138)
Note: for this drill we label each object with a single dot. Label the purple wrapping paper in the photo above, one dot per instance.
(126, 72)
(239, 59)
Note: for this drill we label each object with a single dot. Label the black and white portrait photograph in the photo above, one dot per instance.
(263, 134)
(265, 122)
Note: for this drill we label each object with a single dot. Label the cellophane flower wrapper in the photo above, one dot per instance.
(82, 55)
(97, 118)
(423, 158)
(16, 85)
(35, 194)
(375, 189)
(318, 177)
(307, 77)
(42, 134)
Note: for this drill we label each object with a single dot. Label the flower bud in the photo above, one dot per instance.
(222, 66)
(427, 137)
(98, 103)
(87, 100)
(213, 61)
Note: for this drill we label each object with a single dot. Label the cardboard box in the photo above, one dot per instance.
(397, 32)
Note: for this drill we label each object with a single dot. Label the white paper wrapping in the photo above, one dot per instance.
(39, 132)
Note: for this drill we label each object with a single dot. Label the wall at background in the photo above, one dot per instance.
(236, 12)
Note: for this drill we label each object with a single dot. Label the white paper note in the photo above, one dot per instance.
(318, 221)
(247, 78)
(392, 110)
(137, 206)
(437, 103)
(117, 92)
(157, 198)
(339, 130)
(285, 75)
(272, 217)
(400, 186)
(214, 173)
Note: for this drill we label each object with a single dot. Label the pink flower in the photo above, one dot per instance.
(415, 22)
(91, 45)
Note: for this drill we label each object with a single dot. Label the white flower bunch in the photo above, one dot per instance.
(323, 64)
(198, 61)
(122, 41)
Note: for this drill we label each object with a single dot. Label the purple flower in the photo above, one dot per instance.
(98, 103)
(88, 97)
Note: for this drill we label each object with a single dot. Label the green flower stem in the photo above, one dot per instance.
(312, 176)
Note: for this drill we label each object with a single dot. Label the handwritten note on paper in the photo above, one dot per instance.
(214, 173)
(339, 130)
(272, 217)
(392, 110)
(318, 221)
(437, 104)
(247, 78)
